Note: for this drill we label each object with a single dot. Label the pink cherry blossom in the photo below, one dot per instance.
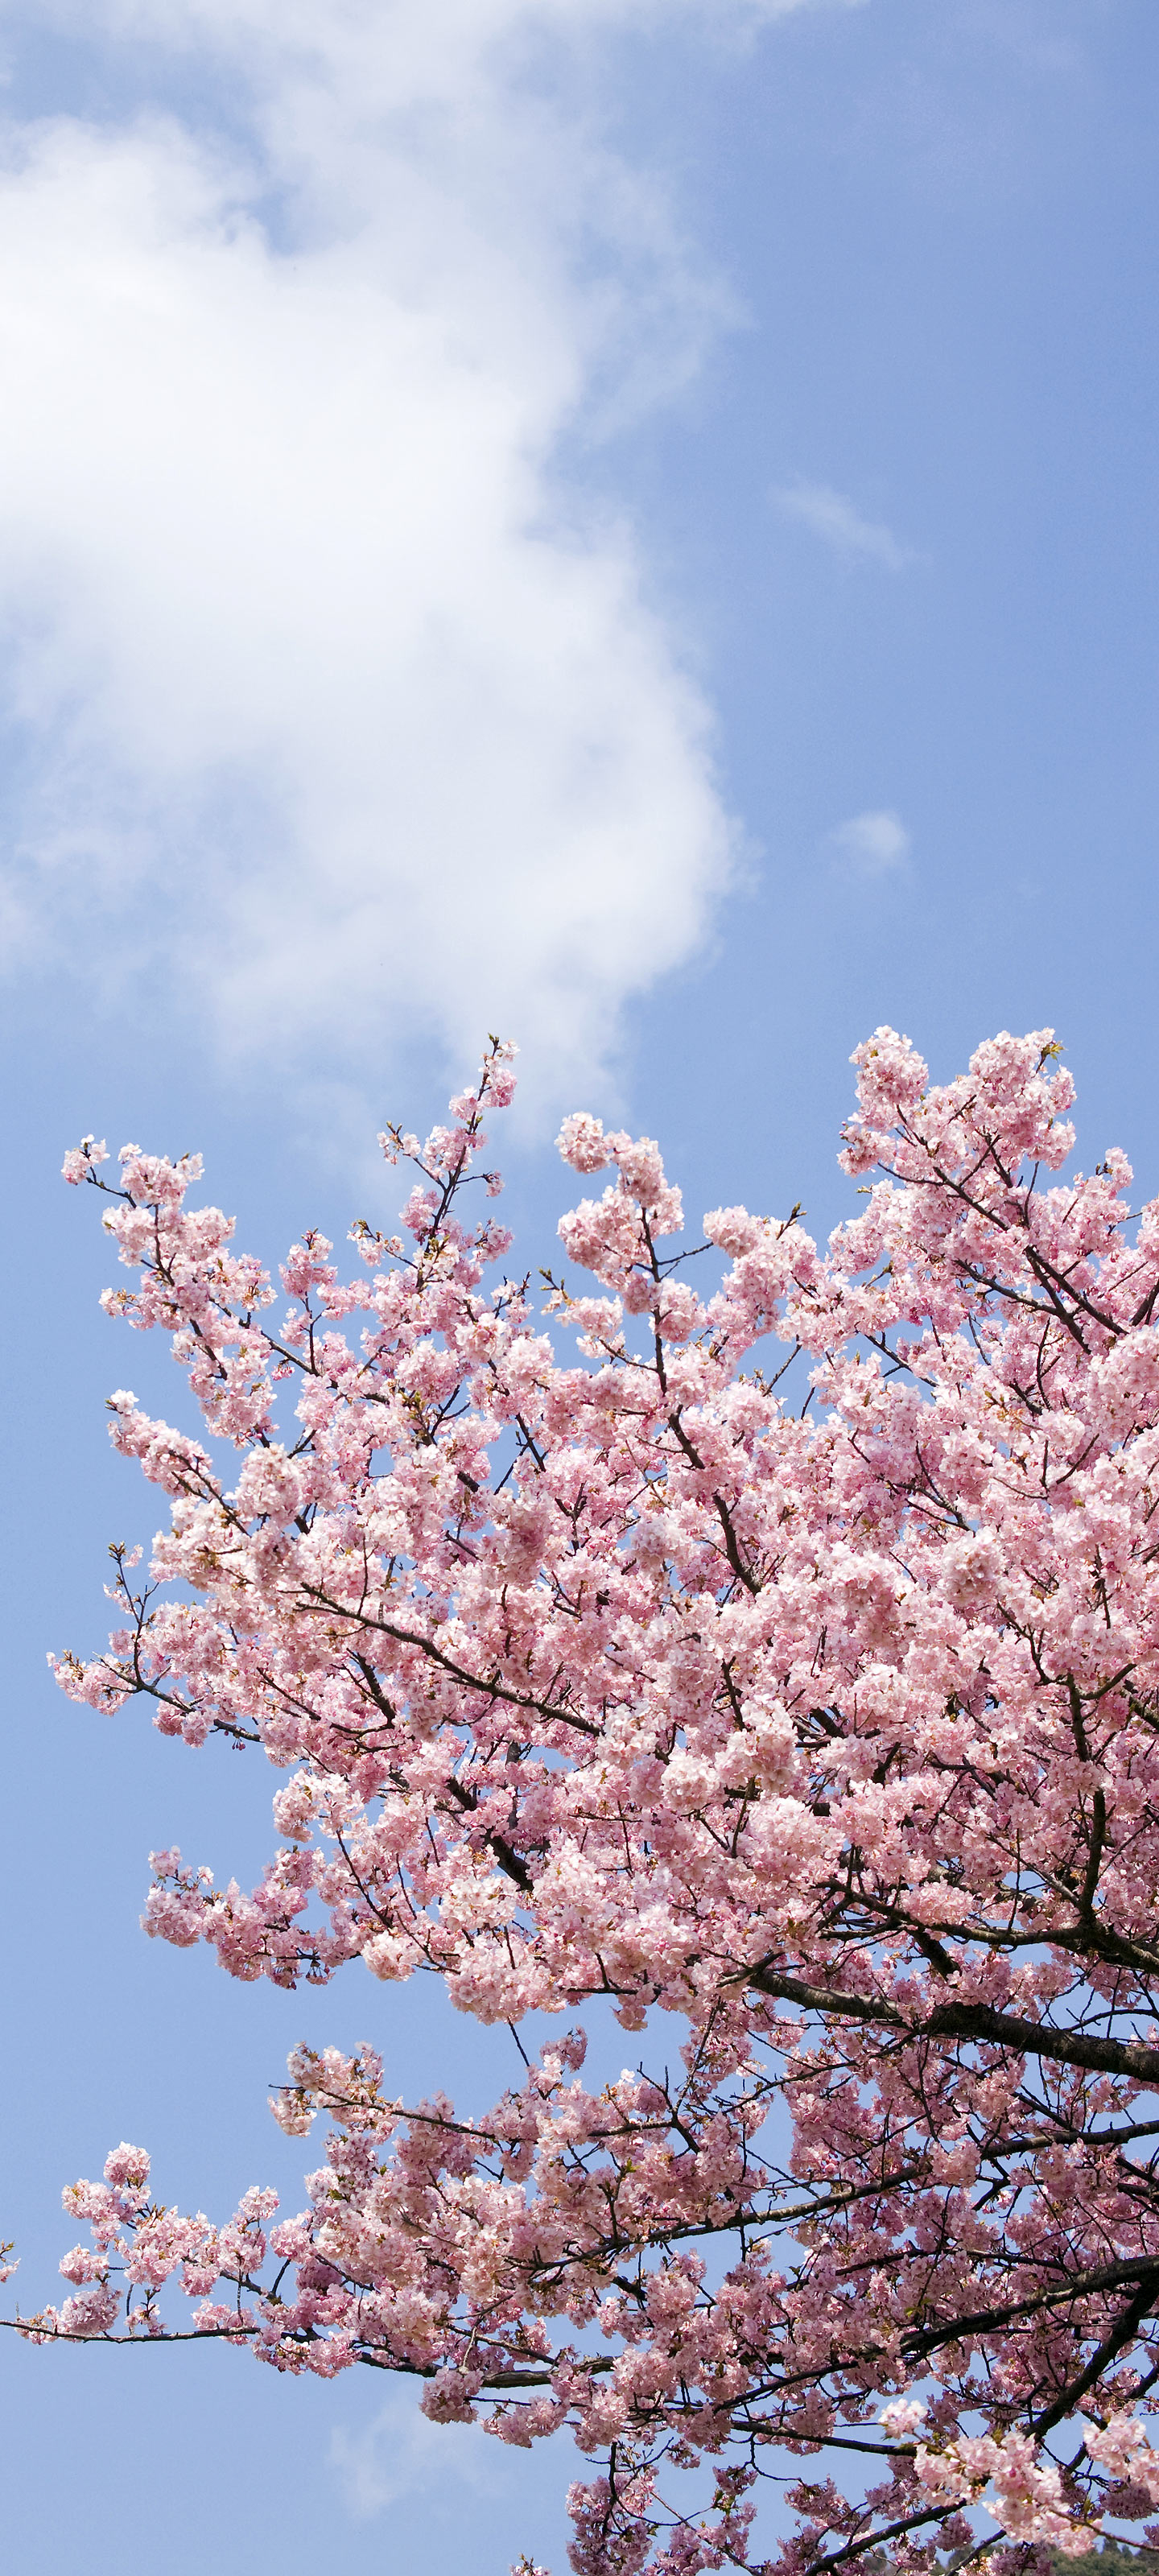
(772, 1647)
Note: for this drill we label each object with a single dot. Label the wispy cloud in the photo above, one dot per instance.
(834, 518)
(336, 714)
(401, 2454)
(875, 844)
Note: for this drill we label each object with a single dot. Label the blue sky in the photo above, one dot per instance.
(627, 522)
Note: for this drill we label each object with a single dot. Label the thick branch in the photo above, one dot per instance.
(966, 2021)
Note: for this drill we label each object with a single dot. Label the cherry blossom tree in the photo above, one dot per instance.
(813, 1702)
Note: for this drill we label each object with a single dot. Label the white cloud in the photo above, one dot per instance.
(401, 2454)
(331, 700)
(833, 518)
(876, 844)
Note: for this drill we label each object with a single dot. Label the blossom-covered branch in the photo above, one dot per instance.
(829, 1729)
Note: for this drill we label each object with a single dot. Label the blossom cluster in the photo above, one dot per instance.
(781, 1654)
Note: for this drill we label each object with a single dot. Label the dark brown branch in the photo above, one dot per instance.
(965, 2021)
(1122, 2333)
(487, 1689)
